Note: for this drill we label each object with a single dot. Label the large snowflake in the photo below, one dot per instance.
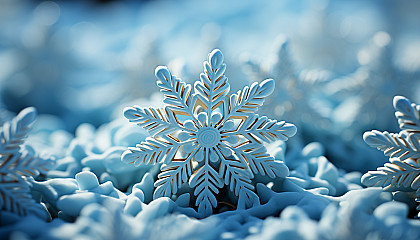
(207, 138)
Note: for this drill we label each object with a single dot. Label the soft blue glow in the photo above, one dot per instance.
(334, 69)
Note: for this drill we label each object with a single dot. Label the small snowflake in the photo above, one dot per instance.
(207, 138)
(402, 148)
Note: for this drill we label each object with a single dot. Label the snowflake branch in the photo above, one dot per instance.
(259, 160)
(397, 173)
(156, 121)
(23, 164)
(238, 176)
(15, 197)
(249, 99)
(205, 182)
(177, 93)
(172, 176)
(213, 87)
(407, 113)
(264, 129)
(152, 151)
(14, 133)
(394, 145)
(16, 163)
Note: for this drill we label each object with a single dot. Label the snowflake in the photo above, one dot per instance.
(207, 138)
(402, 148)
(17, 163)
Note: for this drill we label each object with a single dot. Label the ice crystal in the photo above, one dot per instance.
(207, 138)
(17, 163)
(403, 148)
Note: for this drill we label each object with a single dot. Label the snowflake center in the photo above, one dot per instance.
(208, 137)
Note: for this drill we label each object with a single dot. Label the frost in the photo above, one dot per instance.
(207, 138)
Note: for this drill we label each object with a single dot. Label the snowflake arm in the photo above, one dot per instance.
(213, 87)
(152, 151)
(397, 173)
(177, 94)
(16, 197)
(255, 127)
(23, 164)
(249, 99)
(259, 160)
(17, 163)
(14, 133)
(14, 190)
(238, 176)
(206, 183)
(172, 175)
(156, 121)
(408, 114)
(400, 145)
(233, 166)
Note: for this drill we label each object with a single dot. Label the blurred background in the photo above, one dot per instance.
(337, 64)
